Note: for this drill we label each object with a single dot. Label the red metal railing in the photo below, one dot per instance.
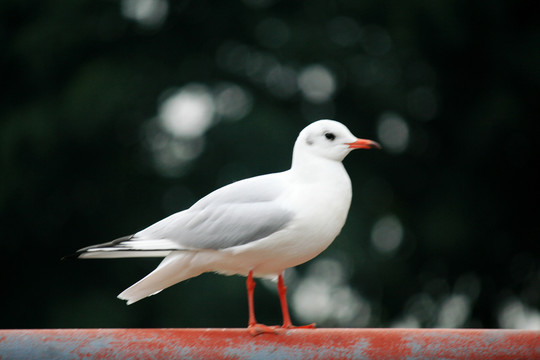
(287, 344)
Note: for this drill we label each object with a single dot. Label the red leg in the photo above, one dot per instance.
(282, 290)
(253, 327)
(250, 284)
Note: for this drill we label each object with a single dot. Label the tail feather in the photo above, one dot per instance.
(179, 263)
(127, 246)
(176, 267)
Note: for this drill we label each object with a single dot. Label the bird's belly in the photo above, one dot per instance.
(269, 257)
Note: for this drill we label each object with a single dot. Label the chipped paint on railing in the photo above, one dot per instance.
(286, 344)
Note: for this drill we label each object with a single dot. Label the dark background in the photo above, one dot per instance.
(443, 228)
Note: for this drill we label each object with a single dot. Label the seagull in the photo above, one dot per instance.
(256, 227)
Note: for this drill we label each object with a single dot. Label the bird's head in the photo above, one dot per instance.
(330, 140)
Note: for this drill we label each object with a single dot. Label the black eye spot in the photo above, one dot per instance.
(330, 136)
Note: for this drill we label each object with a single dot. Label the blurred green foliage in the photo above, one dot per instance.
(83, 82)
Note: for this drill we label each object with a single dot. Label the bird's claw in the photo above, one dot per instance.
(291, 326)
(258, 329)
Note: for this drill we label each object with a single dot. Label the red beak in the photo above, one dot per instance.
(364, 144)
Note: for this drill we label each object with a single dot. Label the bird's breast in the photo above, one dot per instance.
(320, 212)
(322, 209)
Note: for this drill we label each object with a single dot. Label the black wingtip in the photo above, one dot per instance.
(70, 256)
(78, 253)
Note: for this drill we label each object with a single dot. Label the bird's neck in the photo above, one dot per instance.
(310, 167)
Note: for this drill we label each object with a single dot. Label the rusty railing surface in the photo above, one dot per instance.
(286, 344)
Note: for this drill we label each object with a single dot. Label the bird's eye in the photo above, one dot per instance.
(330, 136)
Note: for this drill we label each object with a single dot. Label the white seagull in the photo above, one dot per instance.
(256, 227)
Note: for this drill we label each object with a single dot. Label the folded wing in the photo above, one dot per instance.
(234, 215)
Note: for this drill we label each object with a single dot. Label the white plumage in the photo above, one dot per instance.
(260, 226)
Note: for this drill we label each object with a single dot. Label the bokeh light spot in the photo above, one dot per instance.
(176, 135)
(281, 81)
(387, 234)
(317, 83)
(187, 112)
(324, 296)
(393, 132)
(148, 13)
(516, 315)
(232, 102)
(454, 311)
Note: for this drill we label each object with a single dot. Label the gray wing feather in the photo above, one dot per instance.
(232, 225)
(234, 215)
